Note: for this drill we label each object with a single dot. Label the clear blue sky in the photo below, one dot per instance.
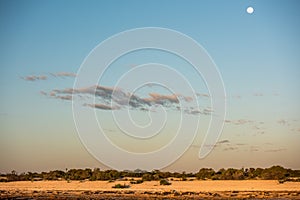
(258, 56)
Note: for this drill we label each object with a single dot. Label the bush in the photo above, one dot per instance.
(121, 186)
(137, 182)
(281, 181)
(147, 177)
(293, 179)
(164, 182)
(275, 173)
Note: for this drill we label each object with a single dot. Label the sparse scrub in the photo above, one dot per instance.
(121, 186)
(164, 182)
(137, 182)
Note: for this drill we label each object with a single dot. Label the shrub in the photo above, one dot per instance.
(293, 179)
(121, 186)
(164, 182)
(281, 181)
(147, 177)
(275, 173)
(137, 182)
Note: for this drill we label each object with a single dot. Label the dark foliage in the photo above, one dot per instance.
(121, 186)
(164, 182)
(137, 182)
(272, 173)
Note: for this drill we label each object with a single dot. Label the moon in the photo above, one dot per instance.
(250, 10)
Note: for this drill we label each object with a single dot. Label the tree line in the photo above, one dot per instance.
(272, 173)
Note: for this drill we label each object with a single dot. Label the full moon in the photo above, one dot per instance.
(250, 10)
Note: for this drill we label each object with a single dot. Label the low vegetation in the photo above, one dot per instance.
(121, 186)
(272, 173)
(164, 182)
(137, 182)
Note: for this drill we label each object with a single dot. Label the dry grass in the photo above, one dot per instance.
(222, 189)
(196, 186)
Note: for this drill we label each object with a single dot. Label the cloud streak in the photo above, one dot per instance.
(63, 74)
(34, 77)
(54, 95)
(45, 77)
(238, 122)
(223, 141)
(103, 106)
(110, 95)
(275, 150)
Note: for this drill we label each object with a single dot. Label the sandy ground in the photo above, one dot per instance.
(147, 190)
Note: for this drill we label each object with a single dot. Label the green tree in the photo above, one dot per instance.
(205, 173)
(274, 173)
(147, 177)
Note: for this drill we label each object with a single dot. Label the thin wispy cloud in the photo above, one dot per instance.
(54, 95)
(240, 144)
(283, 122)
(227, 145)
(207, 111)
(230, 148)
(107, 95)
(223, 141)
(185, 98)
(275, 150)
(239, 121)
(193, 111)
(202, 95)
(223, 145)
(161, 99)
(218, 144)
(197, 111)
(45, 77)
(34, 77)
(43, 93)
(64, 97)
(103, 106)
(256, 127)
(63, 74)
(206, 145)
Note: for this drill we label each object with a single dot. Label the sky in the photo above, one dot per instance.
(44, 45)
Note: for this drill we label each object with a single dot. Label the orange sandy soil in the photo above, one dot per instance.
(151, 190)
